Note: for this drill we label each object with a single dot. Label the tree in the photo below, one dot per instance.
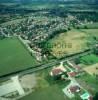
(96, 51)
(78, 27)
(77, 61)
(96, 96)
(85, 27)
(69, 28)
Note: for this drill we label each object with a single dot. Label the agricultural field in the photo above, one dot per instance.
(47, 88)
(91, 32)
(89, 79)
(89, 26)
(50, 93)
(68, 43)
(89, 59)
(89, 82)
(14, 56)
(92, 70)
(40, 5)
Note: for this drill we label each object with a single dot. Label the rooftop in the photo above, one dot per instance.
(11, 87)
(74, 89)
(72, 74)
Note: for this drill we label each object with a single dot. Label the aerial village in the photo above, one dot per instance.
(49, 50)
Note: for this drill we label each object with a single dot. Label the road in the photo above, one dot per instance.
(51, 63)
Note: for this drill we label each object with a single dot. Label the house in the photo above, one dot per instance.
(57, 72)
(90, 98)
(74, 89)
(72, 74)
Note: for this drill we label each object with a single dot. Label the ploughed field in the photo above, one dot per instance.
(14, 56)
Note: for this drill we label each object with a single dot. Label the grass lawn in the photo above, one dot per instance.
(13, 56)
(68, 43)
(89, 59)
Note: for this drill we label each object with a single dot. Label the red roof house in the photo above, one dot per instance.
(72, 74)
(56, 71)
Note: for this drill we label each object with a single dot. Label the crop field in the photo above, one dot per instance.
(68, 43)
(14, 56)
(92, 70)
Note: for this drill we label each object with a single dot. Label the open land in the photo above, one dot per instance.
(68, 43)
(92, 70)
(47, 88)
(14, 56)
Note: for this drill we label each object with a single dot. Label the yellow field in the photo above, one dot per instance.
(93, 69)
(68, 43)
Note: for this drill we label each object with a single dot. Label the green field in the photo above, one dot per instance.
(89, 82)
(89, 59)
(14, 56)
(39, 5)
(52, 93)
(89, 26)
